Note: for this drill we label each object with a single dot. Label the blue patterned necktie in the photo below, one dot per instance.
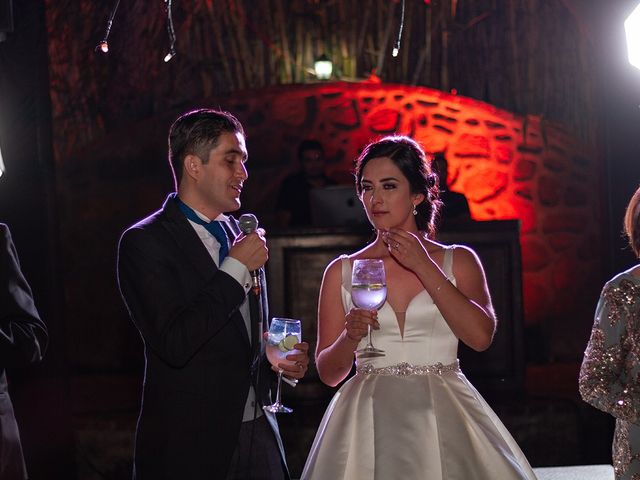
(213, 227)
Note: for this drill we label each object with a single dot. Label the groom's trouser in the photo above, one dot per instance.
(257, 456)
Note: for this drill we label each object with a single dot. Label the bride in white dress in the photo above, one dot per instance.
(410, 414)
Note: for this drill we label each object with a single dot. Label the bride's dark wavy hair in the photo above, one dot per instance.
(409, 157)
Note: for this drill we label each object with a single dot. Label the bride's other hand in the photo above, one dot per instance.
(406, 248)
(356, 322)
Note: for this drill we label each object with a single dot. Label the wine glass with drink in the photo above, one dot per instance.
(284, 333)
(369, 292)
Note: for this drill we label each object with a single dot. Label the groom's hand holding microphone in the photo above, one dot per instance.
(251, 250)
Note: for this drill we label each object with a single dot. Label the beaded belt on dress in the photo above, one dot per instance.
(403, 369)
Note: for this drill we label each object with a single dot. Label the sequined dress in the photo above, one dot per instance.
(412, 414)
(609, 377)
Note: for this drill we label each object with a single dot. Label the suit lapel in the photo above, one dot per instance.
(187, 239)
(195, 251)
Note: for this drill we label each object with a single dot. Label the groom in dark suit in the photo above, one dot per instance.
(184, 274)
(23, 339)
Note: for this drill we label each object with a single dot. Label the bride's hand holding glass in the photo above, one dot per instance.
(357, 323)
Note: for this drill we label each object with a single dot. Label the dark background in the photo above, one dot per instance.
(53, 399)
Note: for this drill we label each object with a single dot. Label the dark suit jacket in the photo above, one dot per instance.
(198, 357)
(23, 339)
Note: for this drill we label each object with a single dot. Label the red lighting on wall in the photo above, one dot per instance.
(508, 166)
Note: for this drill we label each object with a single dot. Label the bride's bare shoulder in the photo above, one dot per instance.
(432, 246)
(464, 256)
(334, 269)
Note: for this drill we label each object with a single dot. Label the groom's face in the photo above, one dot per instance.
(222, 176)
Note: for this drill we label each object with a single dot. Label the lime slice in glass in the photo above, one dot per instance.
(287, 343)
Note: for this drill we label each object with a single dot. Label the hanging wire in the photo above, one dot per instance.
(170, 31)
(103, 46)
(396, 49)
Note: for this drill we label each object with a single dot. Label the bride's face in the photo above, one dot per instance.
(386, 195)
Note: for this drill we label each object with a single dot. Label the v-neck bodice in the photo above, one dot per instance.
(427, 337)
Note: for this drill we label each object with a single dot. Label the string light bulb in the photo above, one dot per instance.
(170, 31)
(1, 165)
(396, 48)
(170, 55)
(103, 45)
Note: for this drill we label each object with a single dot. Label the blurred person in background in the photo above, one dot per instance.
(293, 208)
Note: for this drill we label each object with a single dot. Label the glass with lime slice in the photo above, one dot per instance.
(284, 334)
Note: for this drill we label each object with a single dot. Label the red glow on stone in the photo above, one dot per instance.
(485, 185)
(385, 121)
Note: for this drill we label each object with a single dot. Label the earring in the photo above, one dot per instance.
(415, 212)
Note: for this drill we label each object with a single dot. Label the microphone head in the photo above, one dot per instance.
(248, 223)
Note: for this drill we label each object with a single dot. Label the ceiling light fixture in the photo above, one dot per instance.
(323, 67)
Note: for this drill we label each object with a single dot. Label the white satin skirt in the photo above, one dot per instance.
(425, 426)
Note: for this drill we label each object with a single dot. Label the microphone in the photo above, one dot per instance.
(248, 224)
